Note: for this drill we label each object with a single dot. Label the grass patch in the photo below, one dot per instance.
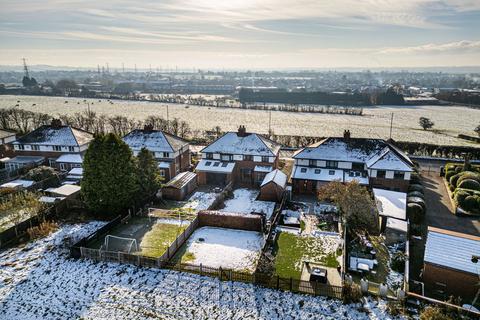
(292, 250)
(156, 241)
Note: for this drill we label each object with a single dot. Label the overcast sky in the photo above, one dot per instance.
(241, 33)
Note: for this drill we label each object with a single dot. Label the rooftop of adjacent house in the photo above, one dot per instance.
(243, 143)
(70, 158)
(376, 153)
(276, 176)
(56, 134)
(19, 183)
(391, 203)
(452, 250)
(181, 180)
(325, 174)
(215, 166)
(154, 140)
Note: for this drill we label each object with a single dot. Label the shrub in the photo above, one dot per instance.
(454, 179)
(449, 174)
(469, 175)
(42, 230)
(39, 173)
(434, 313)
(415, 187)
(469, 184)
(450, 166)
(417, 200)
(415, 212)
(458, 169)
(416, 194)
(6, 191)
(351, 293)
(398, 262)
(415, 178)
(459, 196)
(470, 203)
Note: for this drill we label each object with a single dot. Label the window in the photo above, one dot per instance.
(264, 159)
(227, 157)
(246, 175)
(209, 155)
(317, 171)
(358, 166)
(35, 147)
(398, 175)
(57, 148)
(312, 163)
(162, 173)
(20, 146)
(381, 174)
(71, 149)
(331, 172)
(224, 164)
(208, 163)
(216, 164)
(63, 167)
(332, 164)
(303, 170)
(166, 154)
(248, 157)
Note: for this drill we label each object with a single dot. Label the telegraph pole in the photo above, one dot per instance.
(391, 126)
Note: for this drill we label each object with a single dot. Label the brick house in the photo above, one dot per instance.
(50, 143)
(171, 152)
(6, 138)
(240, 157)
(449, 267)
(371, 162)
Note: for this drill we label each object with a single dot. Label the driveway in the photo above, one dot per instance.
(439, 208)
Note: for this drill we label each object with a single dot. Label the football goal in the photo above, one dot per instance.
(114, 243)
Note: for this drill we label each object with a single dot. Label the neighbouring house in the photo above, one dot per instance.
(392, 212)
(180, 186)
(50, 143)
(240, 157)
(273, 186)
(6, 138)
(371, 162)
(171, 152)
(449, 264)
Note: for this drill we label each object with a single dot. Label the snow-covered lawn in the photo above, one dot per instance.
(40, 281)
(200, 201)
(226, 248)
(244, 202)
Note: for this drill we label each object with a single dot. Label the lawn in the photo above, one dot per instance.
(156, 241)
(292, 250)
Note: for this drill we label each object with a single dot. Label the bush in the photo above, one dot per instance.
(434, 313)
(454, 179)
(449, 174)
(415, 212)
(42, 230)
(40, 173)
(469, 184)
(415, 187)
(351, 293)
(417, 200)
(398, 262)
(471, 204)
(459, 196)
(469, 175)
(415, 178)
(458, 169)
(416, 194)
(6, 191)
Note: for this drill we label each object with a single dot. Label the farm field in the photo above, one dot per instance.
(449, 120)
(39, 281)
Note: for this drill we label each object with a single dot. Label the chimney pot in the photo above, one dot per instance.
(56, 123)
(242, 132)
(148, 128)
(346, 134)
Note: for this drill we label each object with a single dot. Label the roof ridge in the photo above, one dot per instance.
(454, 233)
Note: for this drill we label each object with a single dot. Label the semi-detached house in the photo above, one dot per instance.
(371, 162)
(240, 157)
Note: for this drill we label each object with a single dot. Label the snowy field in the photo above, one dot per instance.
(450, 120)
(200, 201)
(226, 248)
(244, 202)
(39, 281)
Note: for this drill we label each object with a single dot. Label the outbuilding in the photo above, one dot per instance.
(180, 186)
(273, 186)
(392, 211)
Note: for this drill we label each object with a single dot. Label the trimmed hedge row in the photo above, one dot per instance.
(465, 186)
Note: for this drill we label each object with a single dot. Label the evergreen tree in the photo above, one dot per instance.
(109, 183)
(148, 174)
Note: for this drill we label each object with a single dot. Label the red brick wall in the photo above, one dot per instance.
(459, 284)
(303, 186)
(391, 184)
(234, 221)
(270, 192)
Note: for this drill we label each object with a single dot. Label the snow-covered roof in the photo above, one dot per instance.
(391, 203)
(70, 158)
(65, 190)
(76, 171)
(6, 134)
(26, 159)
(324, 174)
(154, 141)
(276, 176)
(250, 144)
(452, 250)
(397, 224)
(263, 169)
(46, 199)
(373, 152)
(181, 180)
(56, 136)
(215, 166)
(388, 160)
(18, 183)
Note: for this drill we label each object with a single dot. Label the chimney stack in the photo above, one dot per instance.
(56, 123)
(242, 132)
(346, 134)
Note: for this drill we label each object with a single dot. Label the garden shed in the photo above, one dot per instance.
(180, 186)
(273, 186)
(390, 204)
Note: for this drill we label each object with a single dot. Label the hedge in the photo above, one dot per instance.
(415, 187)
(454, 179)
(415, 212)
(469, 175)
(469, 184)
(416, 194)
(417, 200)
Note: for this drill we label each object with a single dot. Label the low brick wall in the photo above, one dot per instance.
(228, 220)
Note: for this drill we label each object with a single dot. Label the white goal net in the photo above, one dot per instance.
(114, 243)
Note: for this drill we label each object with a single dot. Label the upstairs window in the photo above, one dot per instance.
(317, 171)
(331, 172)
(381, 173)
(71, 149)
(264, 159)
(57, 148)
(303, 170)
(20, 146)
(398, 175)
(35, 148)
(166, 154)
(209, 155)
(332, 164)
(312, 163)
(248, 157)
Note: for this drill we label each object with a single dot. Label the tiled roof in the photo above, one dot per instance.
(154, 141)
(250, 144)
(56, 136)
